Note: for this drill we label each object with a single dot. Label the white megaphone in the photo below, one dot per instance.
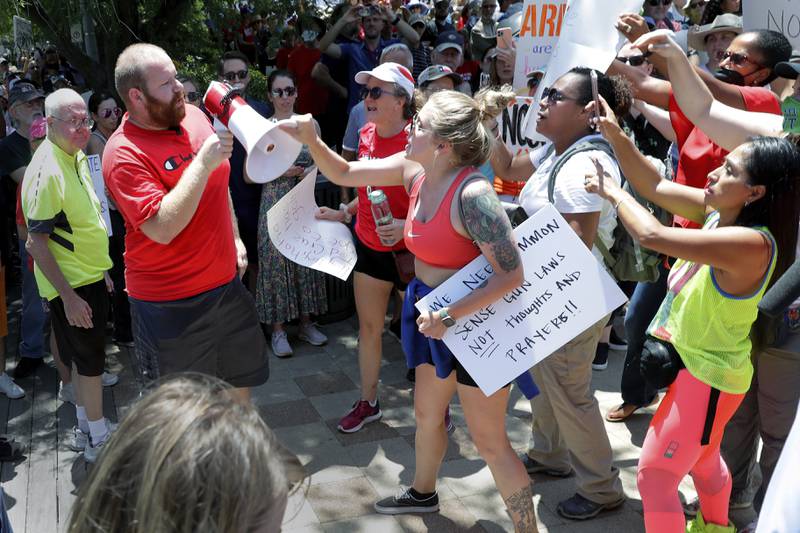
(270, 151)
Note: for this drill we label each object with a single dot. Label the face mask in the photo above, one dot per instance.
(308, 36)
(729, 76)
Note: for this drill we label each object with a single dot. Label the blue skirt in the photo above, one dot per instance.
(420, 349)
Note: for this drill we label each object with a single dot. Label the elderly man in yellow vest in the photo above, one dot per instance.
(69, 245)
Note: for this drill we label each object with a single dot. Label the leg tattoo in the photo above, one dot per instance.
(520, 507)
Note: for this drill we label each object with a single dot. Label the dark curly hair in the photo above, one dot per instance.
(615, 89)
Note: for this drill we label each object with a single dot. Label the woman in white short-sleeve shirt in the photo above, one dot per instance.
(567, 429)
(569, 195)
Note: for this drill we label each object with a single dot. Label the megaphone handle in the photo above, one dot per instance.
(218, 125)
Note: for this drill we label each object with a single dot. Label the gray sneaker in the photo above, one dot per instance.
(77, 440)
(280, 344)
(312, 335)
(9, 388)
(91, 452)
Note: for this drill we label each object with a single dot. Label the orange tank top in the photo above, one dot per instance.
(436, 242)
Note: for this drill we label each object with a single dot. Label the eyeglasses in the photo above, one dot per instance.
(415, 125)
(289, 91)
(634, 61)
(231, 76)
(375, 93)
(655, 3)
(739, 59)
(489, 7)
(553, 96)
(77, 124)
(112, 111)
(193, 96)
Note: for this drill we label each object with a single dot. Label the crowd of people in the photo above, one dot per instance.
(688, 155)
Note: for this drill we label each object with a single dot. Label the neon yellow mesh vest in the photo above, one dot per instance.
(709, 328)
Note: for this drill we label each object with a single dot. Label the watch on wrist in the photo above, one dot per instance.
(396, 20)
(447, 320)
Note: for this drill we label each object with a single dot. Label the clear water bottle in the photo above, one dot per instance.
(379, 205)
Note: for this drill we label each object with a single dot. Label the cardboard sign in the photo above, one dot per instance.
(511, 122)
(588, 39)
(297, 234)
(782, 16)
(96, 171)
(23, 34)
(566, 290)
(538, 34)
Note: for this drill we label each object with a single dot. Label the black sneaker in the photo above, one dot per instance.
(617, 343)
(600, 357)
(535, 467)
(579, 508)
(404, 502)
(27, 366)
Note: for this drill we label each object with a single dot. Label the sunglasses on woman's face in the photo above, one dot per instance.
(112, 111)
(655, 3)
(374, 93)
(289, 91)
(634, 61)
(231, 76)
(553, 96)
(193, 96)
(739, 59)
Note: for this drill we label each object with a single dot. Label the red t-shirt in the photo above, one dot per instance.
(282, 57)
(140, 167)
(372, 146)
(698, 155)
(311, 98)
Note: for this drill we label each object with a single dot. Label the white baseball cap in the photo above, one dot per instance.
(389, 72)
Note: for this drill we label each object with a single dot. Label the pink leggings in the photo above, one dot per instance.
(672, 449)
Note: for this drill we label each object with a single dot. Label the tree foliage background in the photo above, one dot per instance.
(190, 30)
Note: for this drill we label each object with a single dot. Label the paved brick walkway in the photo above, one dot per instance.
(303, 400)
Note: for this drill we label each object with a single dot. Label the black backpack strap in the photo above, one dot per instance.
(711, 414)
(585, 146)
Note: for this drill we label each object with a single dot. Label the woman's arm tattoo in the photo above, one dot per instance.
(487, 223)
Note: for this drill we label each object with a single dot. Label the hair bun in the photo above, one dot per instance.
(492, 101)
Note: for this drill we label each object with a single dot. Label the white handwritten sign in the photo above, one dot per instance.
(96, 171)
(782, 16)
(566, 290)
(588, 39)
(538, 34)
(319, 244)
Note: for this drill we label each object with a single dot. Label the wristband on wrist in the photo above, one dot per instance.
(616, 206)
(396, 19)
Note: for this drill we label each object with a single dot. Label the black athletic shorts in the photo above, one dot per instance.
(216, 333)
(85, 348)
(378, 265)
